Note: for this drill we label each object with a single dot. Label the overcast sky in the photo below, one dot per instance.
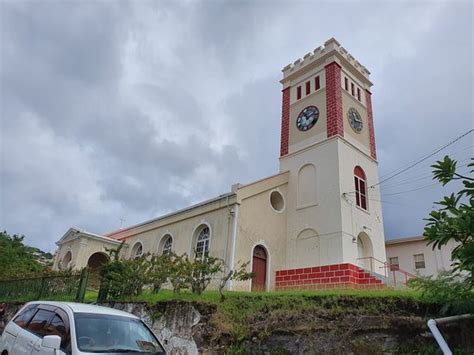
(114, 110)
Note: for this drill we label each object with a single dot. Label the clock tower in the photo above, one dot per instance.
(334, 212)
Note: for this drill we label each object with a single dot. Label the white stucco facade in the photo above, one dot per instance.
(413, 255)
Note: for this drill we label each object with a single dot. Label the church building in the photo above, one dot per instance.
(317, 223)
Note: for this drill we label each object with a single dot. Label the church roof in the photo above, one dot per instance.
(117, 234)
(404, 240)
(74, 233)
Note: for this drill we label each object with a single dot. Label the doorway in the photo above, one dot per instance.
(259, 268)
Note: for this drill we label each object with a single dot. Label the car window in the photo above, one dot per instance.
(25, 315)
(37, 325)
(58, 327)
(104, 333)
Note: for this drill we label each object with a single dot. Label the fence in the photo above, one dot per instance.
(71, 287)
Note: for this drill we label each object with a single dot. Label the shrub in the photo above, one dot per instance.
(202, 272)
(159, 270)
(122, 277)
(239, 274)
(449, 289)
(179, 272)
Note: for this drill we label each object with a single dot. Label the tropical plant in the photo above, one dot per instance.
(454, 221)
(449, 289)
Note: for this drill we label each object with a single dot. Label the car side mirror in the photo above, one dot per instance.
(51, 342)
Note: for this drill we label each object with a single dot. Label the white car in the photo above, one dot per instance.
(73, 328)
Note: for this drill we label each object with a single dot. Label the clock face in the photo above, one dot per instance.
(307, 118)
(355, 120)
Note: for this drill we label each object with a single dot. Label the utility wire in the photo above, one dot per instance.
(422, 159)
(422, 177)
(419, 188)
(422, 168)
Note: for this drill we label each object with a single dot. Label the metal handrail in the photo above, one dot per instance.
(388, 267)
(371, 258)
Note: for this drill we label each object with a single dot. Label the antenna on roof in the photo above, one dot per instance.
(121, 221)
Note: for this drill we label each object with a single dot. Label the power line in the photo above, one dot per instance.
(422, 159)
(422, 177)
(426, 166)
(419, 188)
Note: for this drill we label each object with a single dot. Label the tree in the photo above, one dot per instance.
(454, 221)
(179, 272)
(159, 271)
(202, 272)
(16, 258)
(123, 277)
(239, 274)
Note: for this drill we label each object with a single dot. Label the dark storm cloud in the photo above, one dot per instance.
(129, 110)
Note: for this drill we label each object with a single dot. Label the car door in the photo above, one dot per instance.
(58, 325)
(15, 326)
(34, 330)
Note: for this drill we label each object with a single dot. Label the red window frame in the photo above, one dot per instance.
(298, 93)
(352, 89)
(360, 184)
(308, 87)
(317, 84)
(346, 84)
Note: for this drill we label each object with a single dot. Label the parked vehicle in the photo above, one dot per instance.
(59, 328)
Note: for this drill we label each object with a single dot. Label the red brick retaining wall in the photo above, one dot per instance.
(327, 276)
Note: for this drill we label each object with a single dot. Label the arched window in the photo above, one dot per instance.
(360, 187)
(167, 245)
(202, 243)
(64, 263)
(137, 251)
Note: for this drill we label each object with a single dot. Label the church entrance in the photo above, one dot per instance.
(96, 260)
(259, 268)
(364, 252)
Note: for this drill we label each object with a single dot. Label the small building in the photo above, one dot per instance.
(316, 223)
(413, 255)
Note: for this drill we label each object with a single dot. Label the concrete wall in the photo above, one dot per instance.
(361, 139)
(260, 224)
(435, 260)
(323, 216)
(356, 220)
(184, 233)
(81, 249)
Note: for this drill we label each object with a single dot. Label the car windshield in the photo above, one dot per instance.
(103, 333)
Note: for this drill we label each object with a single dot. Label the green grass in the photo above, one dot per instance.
(214, 297)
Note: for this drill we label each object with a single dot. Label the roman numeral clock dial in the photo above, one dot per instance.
(307, 118)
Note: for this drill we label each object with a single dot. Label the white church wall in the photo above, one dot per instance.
(324, 216)
(81, 249)
(260, 224)
(184, 232)
(356, 220)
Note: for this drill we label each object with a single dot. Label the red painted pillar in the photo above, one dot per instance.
(285, 122)
(370, 119)
(335, 124)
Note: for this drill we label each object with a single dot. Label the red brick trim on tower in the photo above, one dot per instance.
(285, 122)
(335, 124)
(370, 119)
